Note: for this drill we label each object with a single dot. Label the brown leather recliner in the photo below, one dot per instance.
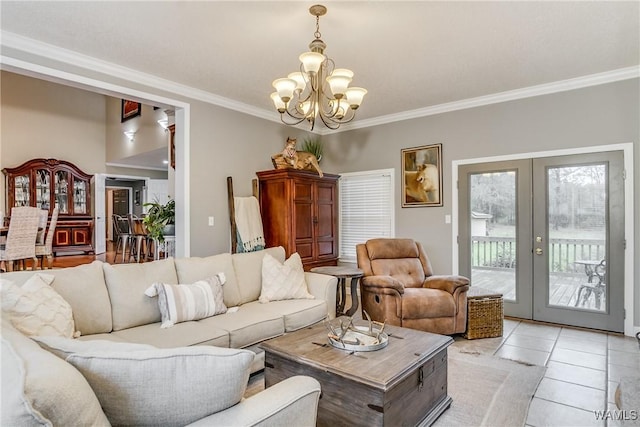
(399, 287)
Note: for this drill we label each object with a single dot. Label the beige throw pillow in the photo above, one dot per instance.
(165, 387)
(36, 309)
(180, 303)
(283, 281)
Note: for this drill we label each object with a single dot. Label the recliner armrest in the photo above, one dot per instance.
(446, 283)
(382, 282)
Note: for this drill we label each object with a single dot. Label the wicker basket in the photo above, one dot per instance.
(485, 314)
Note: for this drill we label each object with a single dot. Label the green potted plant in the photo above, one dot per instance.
(313, 146)
(160, 219)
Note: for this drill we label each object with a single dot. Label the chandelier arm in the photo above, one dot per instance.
(292, 123)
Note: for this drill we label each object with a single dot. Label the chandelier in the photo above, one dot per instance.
(318, 89)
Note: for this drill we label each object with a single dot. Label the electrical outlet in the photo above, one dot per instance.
(211, 221)
(447, 219)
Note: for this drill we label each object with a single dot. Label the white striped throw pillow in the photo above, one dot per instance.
(180, 303)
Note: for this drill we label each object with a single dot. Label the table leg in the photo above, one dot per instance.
(341, 296)
(354, 296)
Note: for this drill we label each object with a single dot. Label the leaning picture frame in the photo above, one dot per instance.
(129, 110)
(422, 176)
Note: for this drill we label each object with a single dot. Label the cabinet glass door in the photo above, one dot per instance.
(21, 190)
(79, 197)
(61, 188)
(43, 189)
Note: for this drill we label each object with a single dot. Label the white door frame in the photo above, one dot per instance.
(627, 149)
(100, 237)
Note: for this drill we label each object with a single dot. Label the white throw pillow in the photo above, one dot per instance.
(167, 387)
(283, 281)
(36, 309)
(180, 303)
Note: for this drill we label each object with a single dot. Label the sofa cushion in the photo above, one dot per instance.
(297, 313)
(83, 287)
(247, 326)
(64, 347)
(179, 303)
(248, 267)
(192, 269)
(281, 281)
(181, 335)
(126, 284)
(36, 309)
(39, 388)
(168, 387)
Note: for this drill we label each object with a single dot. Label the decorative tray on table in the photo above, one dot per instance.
(347, 336)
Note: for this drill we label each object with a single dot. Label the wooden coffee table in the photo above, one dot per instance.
(404, 383)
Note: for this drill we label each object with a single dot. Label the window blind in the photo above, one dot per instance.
(366, 209)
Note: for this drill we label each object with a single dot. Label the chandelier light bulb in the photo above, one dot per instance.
(299, 79)
(339, 81)
(311, 61)
(354, 96)
(285, 88)
(279, 103)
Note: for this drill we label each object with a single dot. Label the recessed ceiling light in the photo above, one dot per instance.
(166, 162)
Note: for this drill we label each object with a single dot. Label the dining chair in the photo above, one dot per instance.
(42, 226)
(21, 237)
(123, 236)
(138, 237)
(45, 249)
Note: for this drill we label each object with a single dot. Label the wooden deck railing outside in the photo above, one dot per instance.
(500, 253)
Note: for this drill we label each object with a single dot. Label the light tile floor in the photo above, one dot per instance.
(583, 369)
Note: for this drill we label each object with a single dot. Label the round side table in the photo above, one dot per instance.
(342, 273)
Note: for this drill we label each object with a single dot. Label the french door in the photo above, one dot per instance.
(548, 233)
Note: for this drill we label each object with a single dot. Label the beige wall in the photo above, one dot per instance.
(149, 134)
(41, 119)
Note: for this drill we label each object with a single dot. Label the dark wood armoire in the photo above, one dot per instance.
(300, 213)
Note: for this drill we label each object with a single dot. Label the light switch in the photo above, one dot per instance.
(211, 221)
(447, 219)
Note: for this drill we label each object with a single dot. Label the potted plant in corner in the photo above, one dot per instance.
(160, 219)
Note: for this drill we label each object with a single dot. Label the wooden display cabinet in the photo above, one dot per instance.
(300, 213)
(50, 183)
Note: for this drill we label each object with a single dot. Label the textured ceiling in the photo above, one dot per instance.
(409, 55)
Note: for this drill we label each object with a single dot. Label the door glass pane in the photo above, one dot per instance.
(21, 190)
(79, 197)
(577, 207)
(493, 231)
(43, 187)
(61, 189)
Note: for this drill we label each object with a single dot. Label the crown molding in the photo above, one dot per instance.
(35, 47)
(496, 98)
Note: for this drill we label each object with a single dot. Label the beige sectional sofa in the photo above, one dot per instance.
(109, 303)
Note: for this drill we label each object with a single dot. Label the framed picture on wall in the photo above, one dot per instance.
(129, 110)
(422, 170)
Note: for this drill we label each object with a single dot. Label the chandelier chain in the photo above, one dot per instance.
(317, 33)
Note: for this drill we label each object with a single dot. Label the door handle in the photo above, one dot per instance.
(538, 251)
